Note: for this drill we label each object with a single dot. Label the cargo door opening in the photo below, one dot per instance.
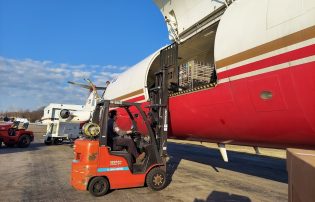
(196, 65)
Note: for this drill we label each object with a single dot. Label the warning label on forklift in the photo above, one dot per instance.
(115, 163)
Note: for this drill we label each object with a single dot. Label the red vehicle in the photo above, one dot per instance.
(11, 134)
(97, 167)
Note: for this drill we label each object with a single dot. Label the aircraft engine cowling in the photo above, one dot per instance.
(65, 113)
(74, 116)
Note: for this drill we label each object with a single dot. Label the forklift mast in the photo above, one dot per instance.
(159, 97)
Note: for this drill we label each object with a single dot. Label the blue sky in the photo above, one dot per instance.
(45, 43)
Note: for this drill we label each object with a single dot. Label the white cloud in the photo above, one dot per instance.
(80, 74)
(30, 84)
(95, 66)
(58, 70)
(123, 68)
(77, 66)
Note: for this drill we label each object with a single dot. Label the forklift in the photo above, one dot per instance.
(98, 167)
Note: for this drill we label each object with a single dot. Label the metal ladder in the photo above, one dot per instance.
(159, 97)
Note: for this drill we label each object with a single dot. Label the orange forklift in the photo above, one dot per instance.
(98, 167)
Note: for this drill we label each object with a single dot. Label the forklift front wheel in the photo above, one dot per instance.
(98, 186)
(156, 179)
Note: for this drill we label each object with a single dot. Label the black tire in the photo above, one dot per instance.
(57, 141)
(10, 144)
(98, 186)
(156, 179)
(24, 141)
(48, 141)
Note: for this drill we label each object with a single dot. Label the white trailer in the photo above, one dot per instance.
(58, 129)
(52, 111)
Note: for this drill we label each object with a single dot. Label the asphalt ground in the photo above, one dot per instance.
(196, 173)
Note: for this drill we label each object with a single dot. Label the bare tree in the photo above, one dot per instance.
(32, 116)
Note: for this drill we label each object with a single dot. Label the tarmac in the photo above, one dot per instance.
(196, 173)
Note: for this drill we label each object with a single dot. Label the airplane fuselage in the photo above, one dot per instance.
(264, 94)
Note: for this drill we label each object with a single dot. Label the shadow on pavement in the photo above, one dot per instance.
(38, 144)
(33, 146)
(271, 168)
(223, 197)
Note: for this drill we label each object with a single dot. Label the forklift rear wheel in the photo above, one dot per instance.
(156, 179)
(98, 186)
(24, 141)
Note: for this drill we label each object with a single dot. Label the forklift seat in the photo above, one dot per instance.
(117, 150)
(114, 147)
(124, 154)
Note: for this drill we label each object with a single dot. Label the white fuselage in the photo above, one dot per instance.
(263, 52)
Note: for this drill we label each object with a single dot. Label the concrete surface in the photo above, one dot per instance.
(196, 173)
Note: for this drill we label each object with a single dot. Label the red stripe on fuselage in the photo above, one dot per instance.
(275, 60)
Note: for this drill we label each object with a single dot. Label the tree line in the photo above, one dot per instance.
(32, 116)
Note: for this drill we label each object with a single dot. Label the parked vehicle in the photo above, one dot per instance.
(15, 134)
